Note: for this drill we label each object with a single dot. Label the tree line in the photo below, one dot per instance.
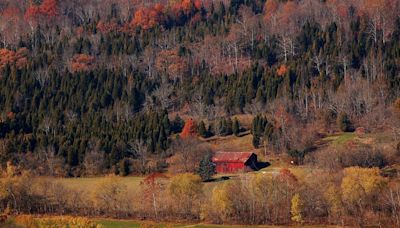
(355, 197)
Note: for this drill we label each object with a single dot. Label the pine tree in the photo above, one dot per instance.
(124, 167)
(256, 141)
(206, 167)
(202, 129)
(236, 127)
(228, 128)
(177, 124)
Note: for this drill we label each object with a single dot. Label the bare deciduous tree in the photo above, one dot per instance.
(254, 107)
(42, 76)
(140, 150)
(187, 155)
(93, 161)
(163, 95)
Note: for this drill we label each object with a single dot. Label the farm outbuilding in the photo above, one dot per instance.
(232, 162)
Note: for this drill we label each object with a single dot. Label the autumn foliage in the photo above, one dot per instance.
(149, 17)
(282, 14)
(185, 6)
(13, 58)
(190, 129)
(107, 27)
(282, 70)
(10, 15)
(47, 10)
(271, 7)
(286, 174)
(170, 62)
(81, 62)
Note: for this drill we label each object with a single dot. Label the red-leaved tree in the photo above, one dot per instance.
(149, 17)
(13, 58)
(190, 129)
(81, 62)
(46, 12)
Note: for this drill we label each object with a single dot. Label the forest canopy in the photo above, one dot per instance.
(83, 76)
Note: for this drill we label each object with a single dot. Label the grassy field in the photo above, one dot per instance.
(70, 221)
(109, 223)
(340, 139)
(232, 143)
(132, 183)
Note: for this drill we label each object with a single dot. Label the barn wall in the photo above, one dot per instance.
(229, 167)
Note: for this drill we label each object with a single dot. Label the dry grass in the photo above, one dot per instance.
(245, 120)
(232, 143)
(63, 221)
(88, 183)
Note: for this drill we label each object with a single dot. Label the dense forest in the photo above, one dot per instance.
(95, 87)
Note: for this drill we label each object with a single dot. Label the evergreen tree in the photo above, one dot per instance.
(202, 129)
(228, 128)
(177, 124)
(343, 122)
(206, 167)
(236, 127)
(256, 141)
(124, 167)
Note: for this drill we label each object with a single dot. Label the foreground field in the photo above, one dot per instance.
(66, 221)
(134, 224)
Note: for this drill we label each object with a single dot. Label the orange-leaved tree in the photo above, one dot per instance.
(149, 17)
(13, 58)
(190, 129)
(47, 11)
(81, 62)
(282, 70)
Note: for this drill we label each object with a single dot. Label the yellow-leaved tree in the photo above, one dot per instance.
(334, 198)
(221, 201)
(359, 186)
(110, 196)
(297, 209)
(186, 190)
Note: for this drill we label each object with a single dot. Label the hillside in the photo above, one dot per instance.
(119, 109)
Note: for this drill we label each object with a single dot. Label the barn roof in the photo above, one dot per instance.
(231, 156)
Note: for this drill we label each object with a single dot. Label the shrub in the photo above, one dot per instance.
(297, 155)
(65, 221)
(363, 157)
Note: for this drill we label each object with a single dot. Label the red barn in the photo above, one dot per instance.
(231, 162)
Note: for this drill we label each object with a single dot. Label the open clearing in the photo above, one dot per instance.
(84, 184)
(241, 143)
